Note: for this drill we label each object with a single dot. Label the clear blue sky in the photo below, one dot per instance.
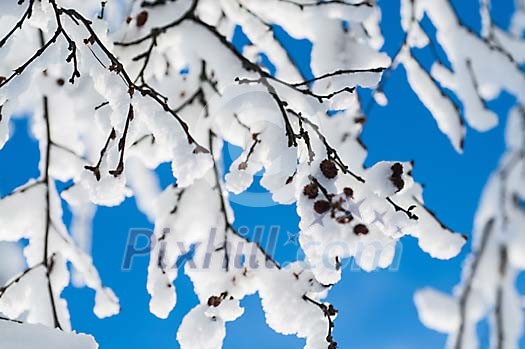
(376, 309)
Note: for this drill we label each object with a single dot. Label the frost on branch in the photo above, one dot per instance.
(116, 90)
(488, 286)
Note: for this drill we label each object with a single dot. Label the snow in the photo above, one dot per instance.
(13, 261)
(437, 310)
(204, 326)
(25, 336)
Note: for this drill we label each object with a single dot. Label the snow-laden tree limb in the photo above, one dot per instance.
(488, 287)
(477, 63)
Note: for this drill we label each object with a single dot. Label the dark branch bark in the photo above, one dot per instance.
(47, 261)
(465, 294)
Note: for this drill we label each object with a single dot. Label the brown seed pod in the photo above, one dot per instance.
(214, 301)
(142, 18)
(311, 190)
(396, 179)
(321, 206)
(332, 345)
(397, 169)
(360, 229)
(398, 182)
(328, 169)
(345, 219)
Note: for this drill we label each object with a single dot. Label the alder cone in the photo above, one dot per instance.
(397, 169)
(361, 229)
(321, 206)
(395, 179)
(398, 182)
(311, 190)
(328, 169)
(214, 301)
(142, 18)
(345, 219)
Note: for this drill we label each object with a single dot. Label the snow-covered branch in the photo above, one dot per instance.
(476, 63)
(488, 287)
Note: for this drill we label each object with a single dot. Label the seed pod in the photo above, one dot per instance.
(321, 206)
(142, 18)
(311, 190)
(397, 169)
(398, 182)
(396, 179)
(345, 219)
(349, 192)
(214, 301)
(328, 169)
(361, 229)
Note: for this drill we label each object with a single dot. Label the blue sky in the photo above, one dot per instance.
(376, 309)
